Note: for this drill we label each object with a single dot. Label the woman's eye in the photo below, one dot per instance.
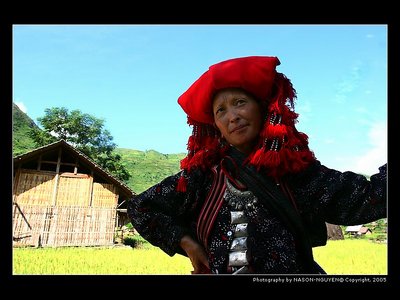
(219, 110)
(240, 101)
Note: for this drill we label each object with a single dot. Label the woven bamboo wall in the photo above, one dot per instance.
(71, 221)
(73, 191)
(34, 188)
(104, 195)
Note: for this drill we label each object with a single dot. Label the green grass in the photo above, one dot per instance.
(350, 257)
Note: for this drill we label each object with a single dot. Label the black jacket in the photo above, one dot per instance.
(162, 215)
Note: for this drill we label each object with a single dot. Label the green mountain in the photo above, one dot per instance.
(22, 142)
(148, 167)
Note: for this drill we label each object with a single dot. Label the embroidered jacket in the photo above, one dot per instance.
(162, 215)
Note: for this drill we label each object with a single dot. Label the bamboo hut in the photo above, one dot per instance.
(62, 198)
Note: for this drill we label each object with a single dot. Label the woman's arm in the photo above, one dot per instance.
(343, 198)
(156, 215)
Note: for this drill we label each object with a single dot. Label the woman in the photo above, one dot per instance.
(251, 197)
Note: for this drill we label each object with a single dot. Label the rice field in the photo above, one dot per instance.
(352, 257)
(342, 257)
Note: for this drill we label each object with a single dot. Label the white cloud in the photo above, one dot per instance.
(21, 106)
(376, 155)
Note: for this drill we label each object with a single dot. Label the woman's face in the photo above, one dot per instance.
(238, 116)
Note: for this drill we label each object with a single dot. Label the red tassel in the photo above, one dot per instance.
(184, 163)
(274, 107)
(182, 184)
(278, 130)
(256, 157)
(272, 159)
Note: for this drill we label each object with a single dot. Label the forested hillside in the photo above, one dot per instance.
(21, 125)
(148, 167)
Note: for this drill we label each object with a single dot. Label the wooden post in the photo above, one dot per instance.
(57, 177)
(90, 202)
(53, 221)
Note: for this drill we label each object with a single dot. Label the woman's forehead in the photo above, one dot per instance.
(226, 92)
(231, 91)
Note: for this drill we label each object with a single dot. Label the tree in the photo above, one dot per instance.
(83, 131)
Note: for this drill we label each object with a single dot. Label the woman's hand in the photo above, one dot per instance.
(197, 255)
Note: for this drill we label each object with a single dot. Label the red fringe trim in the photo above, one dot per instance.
(284, 161)
(184, 163)
(182, 184)
(278, 130)
(272, 159)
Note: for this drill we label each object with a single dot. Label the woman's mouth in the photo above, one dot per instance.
(238, 128)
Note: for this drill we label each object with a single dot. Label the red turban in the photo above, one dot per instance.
(254, 74)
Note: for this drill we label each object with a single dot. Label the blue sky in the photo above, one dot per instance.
(132, 75)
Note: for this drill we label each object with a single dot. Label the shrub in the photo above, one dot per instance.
(135, 241)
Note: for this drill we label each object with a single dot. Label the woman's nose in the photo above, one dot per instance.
(233, 115)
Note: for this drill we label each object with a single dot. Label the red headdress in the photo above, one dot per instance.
(281, 149)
